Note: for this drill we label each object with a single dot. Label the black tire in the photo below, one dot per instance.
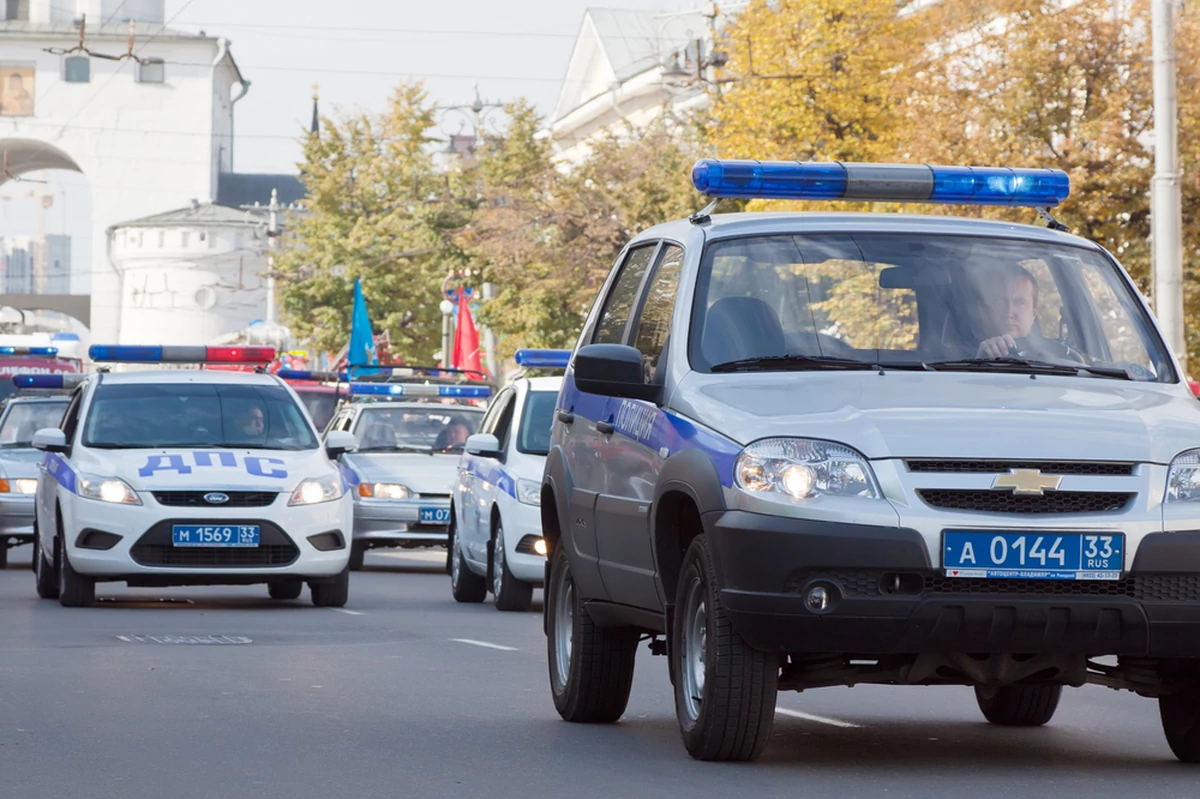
(3, 554)
(731, 718)
(358, 552)
(1018, 705)
(74, 589)
(1180, 713)
(287, 589)
(510, 593)
(45, 573)
(331, 593)
(465, 585)
(591, 684)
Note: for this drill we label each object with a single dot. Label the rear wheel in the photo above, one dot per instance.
(287, 589)
(591, 668)
(465, 585)
(74, 589)
(358, 552)
(331, 593)
(1018, 705)
(510, 593)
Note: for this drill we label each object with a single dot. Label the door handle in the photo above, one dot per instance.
(606, 428)
(566, 417)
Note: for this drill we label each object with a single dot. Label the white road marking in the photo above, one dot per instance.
(436, 556)
(125, 638)
(349, 612)
(819, 719)
(484, 644)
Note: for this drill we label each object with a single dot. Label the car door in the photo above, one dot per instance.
(631, 451)
(480, 480)
(584, 442)
(47, 488)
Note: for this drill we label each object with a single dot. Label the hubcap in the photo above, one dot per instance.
(564, 626)
(692, 650)
(498, 562)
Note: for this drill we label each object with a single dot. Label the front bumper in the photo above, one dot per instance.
(16, 517)
(889, 600)
(386, 522)
(523, 522)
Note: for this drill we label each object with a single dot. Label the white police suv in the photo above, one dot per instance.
(820, 449)
(190, 477)
(496, 531)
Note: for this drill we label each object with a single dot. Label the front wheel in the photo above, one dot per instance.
(1180, 713)
(287, 589)
(45, 573)
(591, 668)
(74, 589)
(725, 689)
(358, 553)
(465, 585)
(510, 593)
(1018, 705)
(333, 593)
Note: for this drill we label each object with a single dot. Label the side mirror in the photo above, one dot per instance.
(338, 442)
(613, 370)
(50, 439)
(485, 445)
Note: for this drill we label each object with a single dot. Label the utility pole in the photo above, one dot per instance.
(1166, 210)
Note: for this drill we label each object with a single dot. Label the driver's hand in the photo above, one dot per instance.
(996, 347)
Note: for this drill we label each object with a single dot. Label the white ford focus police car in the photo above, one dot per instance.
(496, 530)
(190, 477)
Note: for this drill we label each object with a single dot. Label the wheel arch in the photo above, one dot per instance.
(688, 487)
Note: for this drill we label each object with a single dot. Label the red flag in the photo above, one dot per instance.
(466, 341)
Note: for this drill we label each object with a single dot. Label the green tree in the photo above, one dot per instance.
(379, 210)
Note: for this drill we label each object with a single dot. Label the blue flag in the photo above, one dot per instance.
(362, 341)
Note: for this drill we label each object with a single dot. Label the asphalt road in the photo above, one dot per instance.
(400, 695)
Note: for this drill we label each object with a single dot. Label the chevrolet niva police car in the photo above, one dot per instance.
(496, 528)
(190, 477)
(819, 449)
(20, 418)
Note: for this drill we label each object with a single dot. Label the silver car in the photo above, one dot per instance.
(404, 470)
(20, 419)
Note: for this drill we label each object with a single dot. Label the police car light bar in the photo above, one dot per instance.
(414, 390)
(922, 183)
(28, 350)
(48, 381)
(542, 359)
(124, 353)
(304, 374)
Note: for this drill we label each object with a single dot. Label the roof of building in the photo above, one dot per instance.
(236, 189)
(199, 215)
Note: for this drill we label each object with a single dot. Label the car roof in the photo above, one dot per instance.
(215, 376)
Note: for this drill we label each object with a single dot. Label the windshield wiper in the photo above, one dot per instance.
(783, 363)
(395, 448)
(1010, 364)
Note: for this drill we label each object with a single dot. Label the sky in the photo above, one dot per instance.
(357, 51)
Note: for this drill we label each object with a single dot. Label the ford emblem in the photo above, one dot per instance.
(216, 498)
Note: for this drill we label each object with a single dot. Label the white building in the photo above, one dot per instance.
(150, 133)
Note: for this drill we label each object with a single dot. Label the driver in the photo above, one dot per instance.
(1012, 310)
(250, 421)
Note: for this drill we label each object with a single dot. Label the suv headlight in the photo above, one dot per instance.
(529, 492)
(107, 489)
(317, 490)
(801, 468)
(1183, 480)
(384, 491)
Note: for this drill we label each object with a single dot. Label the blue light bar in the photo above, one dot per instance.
(543, 359)
(48, 381)
(304, 374)
(28, 350)
(132, 353)
(417, 390)
(921, 183)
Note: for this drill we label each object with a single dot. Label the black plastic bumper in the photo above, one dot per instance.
(886, 598)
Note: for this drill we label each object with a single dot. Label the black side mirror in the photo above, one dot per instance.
(613, 370)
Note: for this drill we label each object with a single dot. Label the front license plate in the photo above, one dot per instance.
(434, 516)
(1033, 556)
(215, 535)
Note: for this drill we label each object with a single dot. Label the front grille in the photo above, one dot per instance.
(1088, 468)
(434, 496)
(853, 583)
(195, 499)
(1005, 501)
(1148, 587)
(154, 548)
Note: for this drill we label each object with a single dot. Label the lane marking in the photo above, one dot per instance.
(819, 719)
(485, 644)
(349, 612)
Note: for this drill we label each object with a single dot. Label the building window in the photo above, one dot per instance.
(152, 71)
(212, 242)
(185, 239)
(162, 239)
(16, 10)
(77, 69)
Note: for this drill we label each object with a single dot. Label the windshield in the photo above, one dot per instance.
(320, 406)
(536, 420)
(429, 428)
(26, 418)
(137, 415)
(940, 302)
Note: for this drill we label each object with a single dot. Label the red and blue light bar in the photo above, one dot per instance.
(134, 353)
(48, 381)
(28, 350)
(920, 183)
(542, 359)
(305, 374)
(419, 390)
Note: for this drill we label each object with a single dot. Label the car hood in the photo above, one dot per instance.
(423, 473)
(206, 469)
(952, 415)
(20, 461)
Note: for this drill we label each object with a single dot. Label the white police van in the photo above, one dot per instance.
(821, 449)
(189, 477)
(496, 534)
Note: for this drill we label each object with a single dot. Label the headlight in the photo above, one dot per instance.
(529, 492)
(20, 485)
(1183, 480)
(317, 490)
(384, 490)
(107, 489)
(801, 468)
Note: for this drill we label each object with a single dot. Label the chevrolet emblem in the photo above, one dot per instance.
(1028, 482)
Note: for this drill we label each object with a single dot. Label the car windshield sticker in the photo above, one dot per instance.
(256, 466)
(164, 463)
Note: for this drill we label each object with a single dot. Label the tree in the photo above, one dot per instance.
(377, 209)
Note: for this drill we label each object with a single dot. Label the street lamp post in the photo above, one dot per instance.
(447, 308)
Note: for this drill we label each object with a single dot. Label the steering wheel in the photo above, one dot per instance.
(1028, 348)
